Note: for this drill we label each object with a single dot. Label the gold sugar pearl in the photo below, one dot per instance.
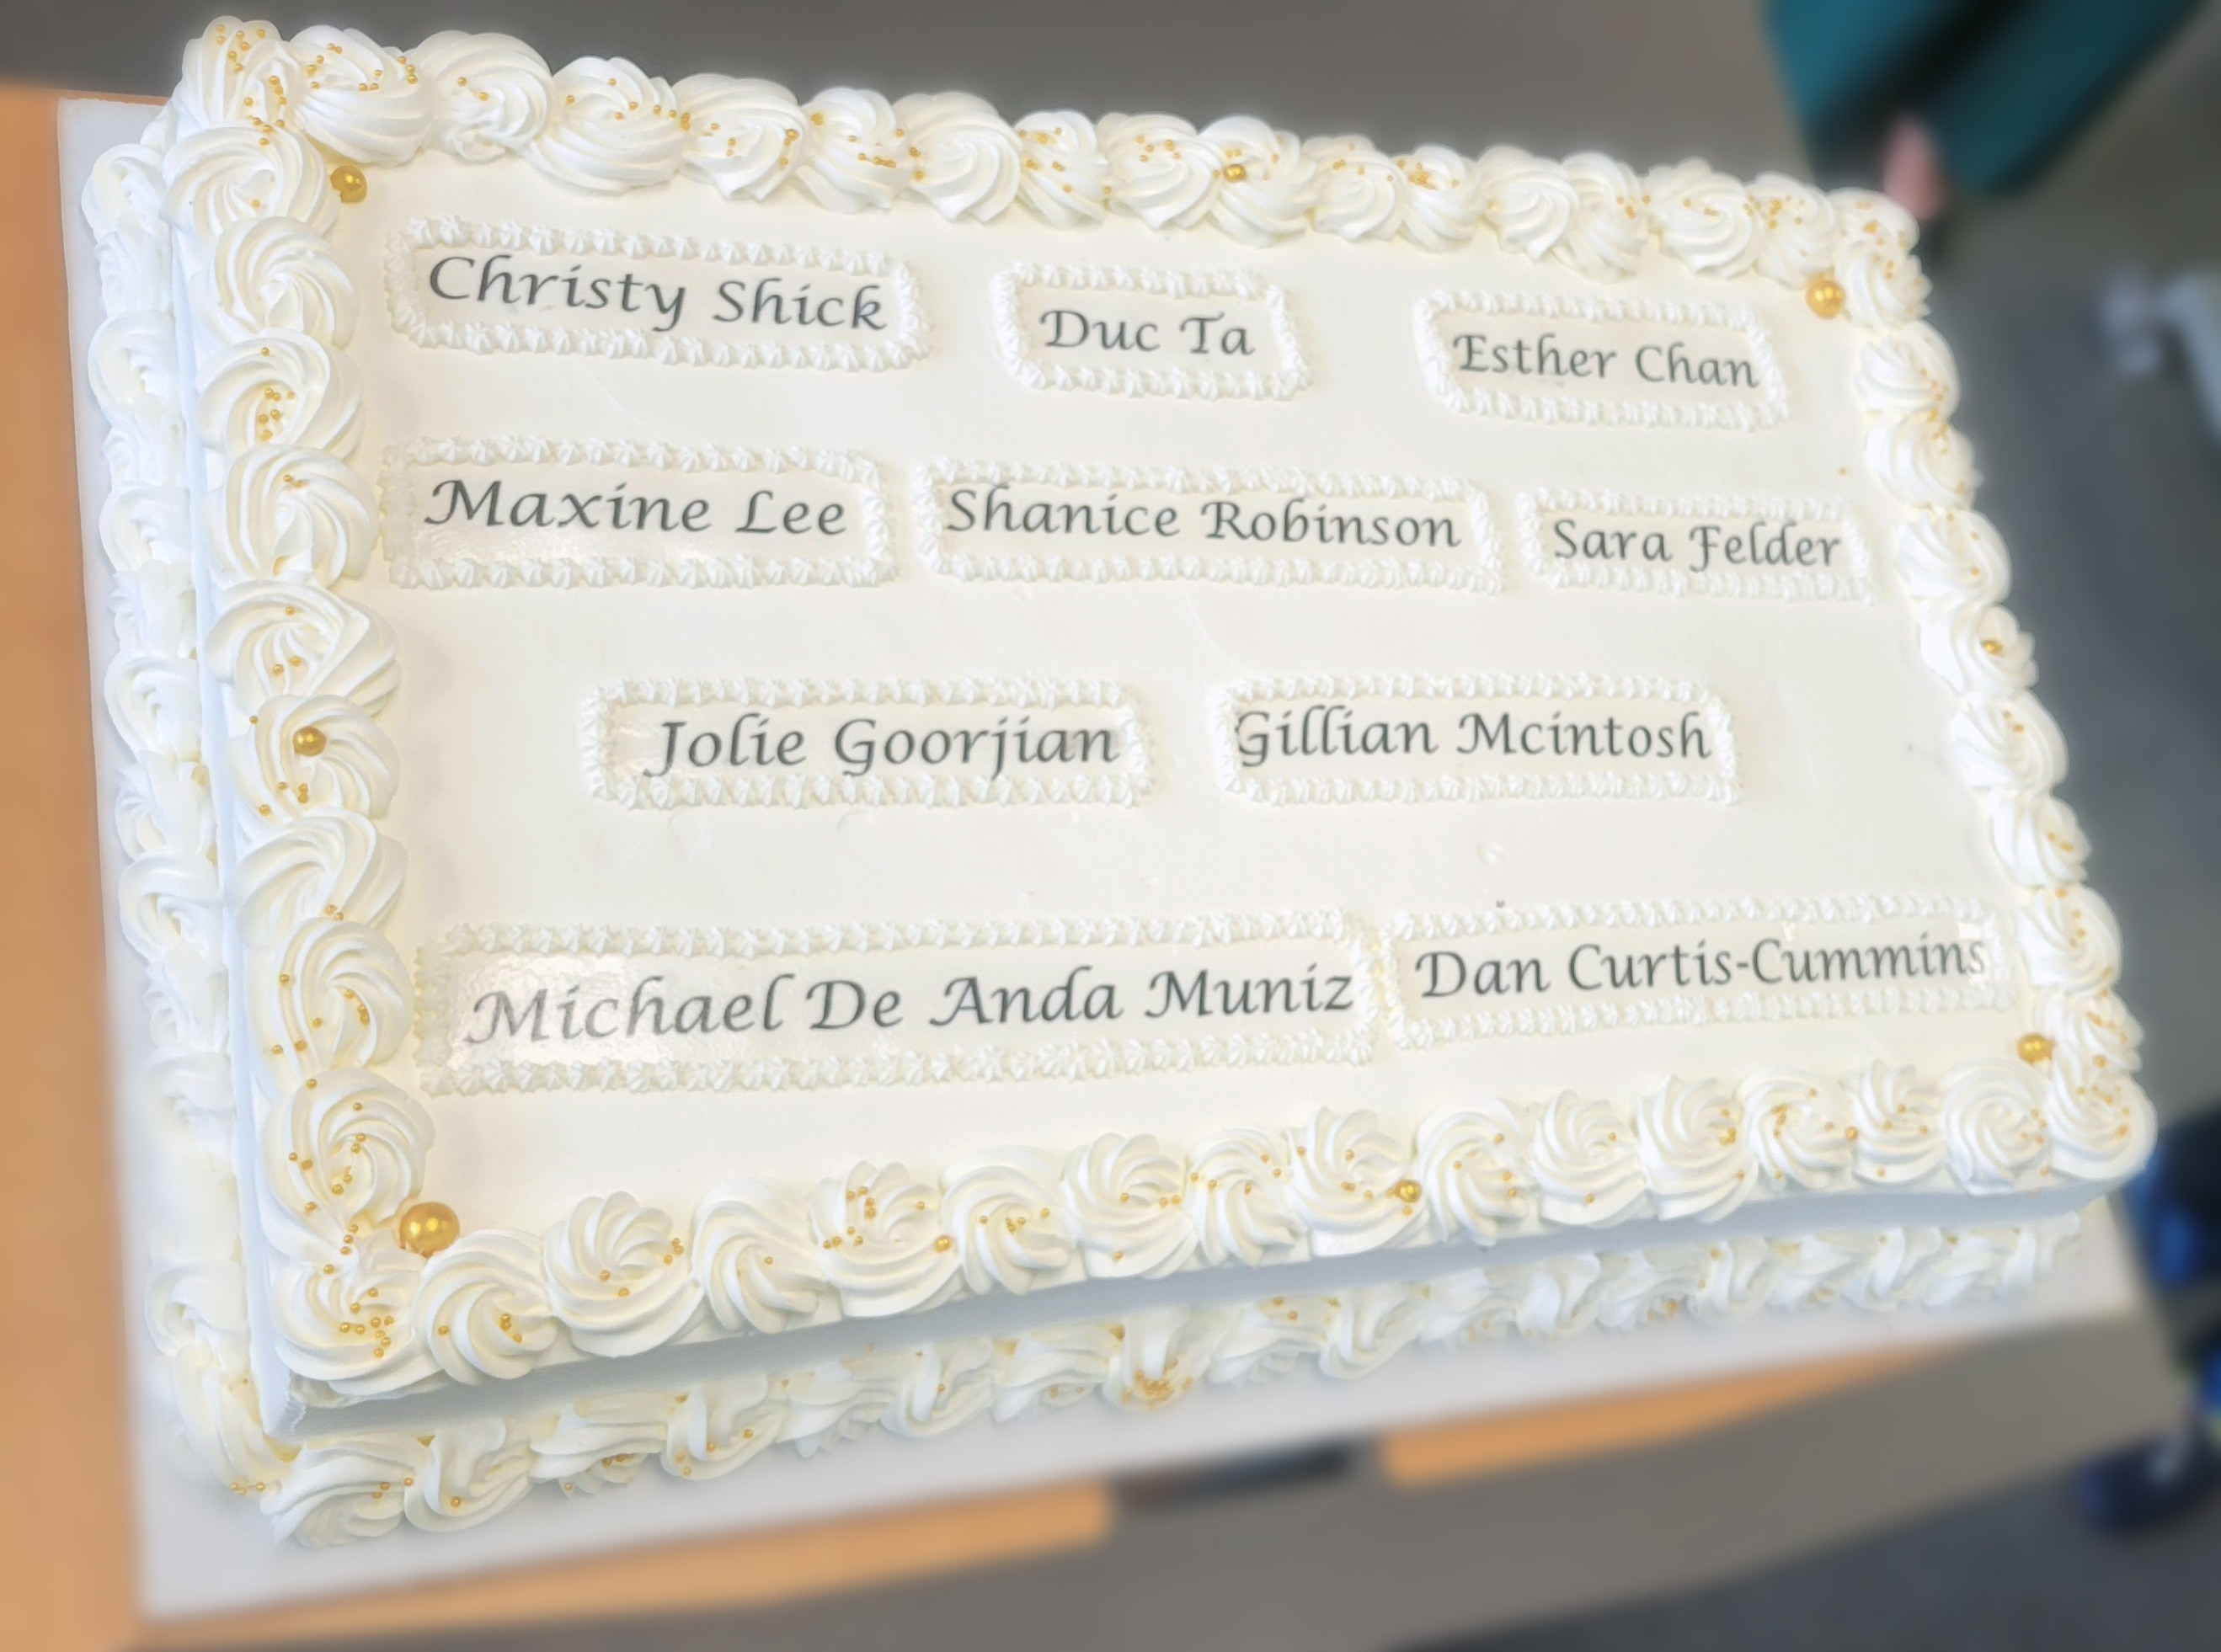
(1408, 1190)
(349, 182)
(2034, 1047)
(308, 740)
(429, 1227)
(1825, 297)
(1234, 172)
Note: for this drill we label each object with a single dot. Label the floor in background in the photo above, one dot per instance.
(2018, 1572)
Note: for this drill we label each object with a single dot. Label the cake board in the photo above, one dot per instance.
(193, 1564)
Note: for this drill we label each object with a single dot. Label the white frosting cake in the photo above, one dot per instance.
(802, 765)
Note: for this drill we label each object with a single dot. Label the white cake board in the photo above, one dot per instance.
(201, 1551)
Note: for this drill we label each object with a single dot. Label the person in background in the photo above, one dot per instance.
(1938, 99)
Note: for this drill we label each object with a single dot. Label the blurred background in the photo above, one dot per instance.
(2066, 157)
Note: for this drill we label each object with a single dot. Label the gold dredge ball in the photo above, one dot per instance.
(430, 1228)
(348, 180)
(1825, 295)
(308, 739)
(2035, 1047)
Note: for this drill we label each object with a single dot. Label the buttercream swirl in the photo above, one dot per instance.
(610, 127)
(1734, 1279)
(293, 514)
(1441, 197)
(1690, 1138)
(2101, 1125)
(269, 273)
(328, 864)
(283, 770)
(280, 388)
(1953, 556)
(1055, 1366)
(2069, 938)
(1883, 286)
(1353, 1180)
(235, 73)
(1922, 460)
(122, 204)
(1899, 1125)
(1993, 1126)
(1003, 1207)
(1268, 184)
(228, 174)
(1797, 226)
(1649, 1287)
(718, 1426)
(601, 1440)
(1237, 1198)
(1367, 1326)
(1799, 1128)
(1465, 1309)
(482, 1307)
(473, 1470)
(947, 1384)
(1161, 171)
(341, 1158)
(1584, 1160)
(345, 1491)
(1270, 1338)
(271, 637)
(756, 1259)
(1980, 651)
(618, 1277)
(1705, 218)
(346, 1320)
(1906, 373)
(2092, 1033)
(334, 995)
(1062, 175)
(2037, 837)
(1558, 1298)
(1529, 201)
(142, 528)
(856, 150)
(744, 138)
(1123, 1196)
(1473, 1163)
(357, 98)
(168, 903)
(881, 1242)
(1161, 1353)
(1361, 193)
(962, 159)
(490, 94)
(155, 701)
(2008, 742)
(838, 1400)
